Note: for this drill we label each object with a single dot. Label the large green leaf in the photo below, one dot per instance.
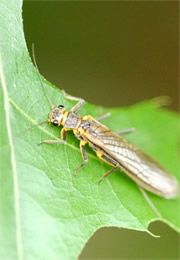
(45, 211)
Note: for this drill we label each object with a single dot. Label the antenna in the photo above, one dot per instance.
(35, 63)
(27, 129)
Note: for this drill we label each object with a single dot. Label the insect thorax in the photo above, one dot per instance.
(72, 120)
(85, 124)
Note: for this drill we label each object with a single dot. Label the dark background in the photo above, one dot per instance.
(111, 54)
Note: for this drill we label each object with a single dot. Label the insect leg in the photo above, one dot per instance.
(107, 174)
(108, 160)
(103, 116)
(84, 156)
(126, 131)
(78, 105)
(59, 141)
(52, 142)
(63, 134)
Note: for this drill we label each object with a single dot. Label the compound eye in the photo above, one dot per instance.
(61, 106)
(55, 122)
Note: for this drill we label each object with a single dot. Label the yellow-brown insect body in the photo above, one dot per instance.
(117, 152)
(111, 148)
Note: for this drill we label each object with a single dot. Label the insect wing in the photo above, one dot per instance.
(138, 165)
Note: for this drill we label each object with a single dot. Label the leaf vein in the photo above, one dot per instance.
(13, 164)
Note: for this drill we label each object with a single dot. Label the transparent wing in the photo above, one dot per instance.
(138, 165)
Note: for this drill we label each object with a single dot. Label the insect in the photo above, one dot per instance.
(112, 148)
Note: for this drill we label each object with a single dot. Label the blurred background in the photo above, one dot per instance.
(113, 54)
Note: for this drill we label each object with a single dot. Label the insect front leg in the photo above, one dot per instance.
(63, 134)
(52, 142)
(59, 141)
(84, 156)
(78, 105)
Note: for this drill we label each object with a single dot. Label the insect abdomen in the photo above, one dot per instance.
(134, 162)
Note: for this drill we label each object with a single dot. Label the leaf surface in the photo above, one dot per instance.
(45, 211)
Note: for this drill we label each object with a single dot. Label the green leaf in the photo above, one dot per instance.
(45, 211)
